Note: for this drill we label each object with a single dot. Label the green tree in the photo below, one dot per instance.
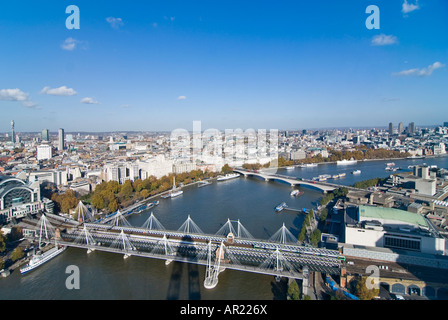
(226, 169)
(294, 290)
(2, 242)
(315, 237)
(362, 292)
(126, 190)
(17, 254)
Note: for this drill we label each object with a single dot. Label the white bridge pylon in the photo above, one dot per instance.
(240, 232)
(190, 227)
(123, 243)
(46, 230)
(221, 256)
(278, 263)
(152, 223)
(119, 220)
(283, 236)
(163, 247)
(83, 212)
(85, 238)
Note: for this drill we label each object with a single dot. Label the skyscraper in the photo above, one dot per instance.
(45, 135)
(61, 140)
(411, 128)
(13, 134)
(400, 127)
(391, 128)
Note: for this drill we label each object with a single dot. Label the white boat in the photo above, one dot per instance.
(174, 192)
(342, 175)
(346, 162)
(357, 172)
(335, 176)
(390, 164)
(40, 258)
(308, 165)
(296, 193)
(290, 168)
(203, 183)
(228, 176)
(280, 207)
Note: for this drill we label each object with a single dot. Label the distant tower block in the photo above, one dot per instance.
(13, 134)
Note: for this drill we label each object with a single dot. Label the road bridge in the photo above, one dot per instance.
(324, 187)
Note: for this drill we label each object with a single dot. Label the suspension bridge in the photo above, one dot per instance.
(231, 247)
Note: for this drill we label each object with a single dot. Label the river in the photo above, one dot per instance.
(251, 200)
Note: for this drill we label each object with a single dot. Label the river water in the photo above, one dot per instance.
(251, 200)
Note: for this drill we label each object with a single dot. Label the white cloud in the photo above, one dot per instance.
(115, 22)
(13, 95)
(61, 91)
(17, 95)
(181, 98)
(420, 72)
(409, 7)
(88, 100)
(69, 44)
(384, 40)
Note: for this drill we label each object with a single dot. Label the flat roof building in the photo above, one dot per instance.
(372, 226)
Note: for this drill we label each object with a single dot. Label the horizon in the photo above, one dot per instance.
(229, 64)
(55, 132)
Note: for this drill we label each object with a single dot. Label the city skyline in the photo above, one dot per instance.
(230, 65)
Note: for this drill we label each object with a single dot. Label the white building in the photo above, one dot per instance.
(44, 152)
(371, 226)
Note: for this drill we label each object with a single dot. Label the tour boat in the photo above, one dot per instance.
(228, 176)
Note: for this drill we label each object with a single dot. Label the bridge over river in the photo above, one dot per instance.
(293, 181)
(232, 247)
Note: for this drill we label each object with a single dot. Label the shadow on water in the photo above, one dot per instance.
(279, 289)
(174, 289)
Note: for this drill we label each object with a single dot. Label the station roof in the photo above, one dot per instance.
(392, 214)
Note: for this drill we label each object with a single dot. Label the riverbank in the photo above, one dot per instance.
(368, 160)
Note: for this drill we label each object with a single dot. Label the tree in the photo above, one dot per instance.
(315, 237)
(17, 254)
(226, 169)
(126, 190)
(362, 292)
(2, 242)
(294, 291)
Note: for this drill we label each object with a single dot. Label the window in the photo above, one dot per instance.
(402, 243)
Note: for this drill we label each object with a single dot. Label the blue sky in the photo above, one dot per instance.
(160, 65)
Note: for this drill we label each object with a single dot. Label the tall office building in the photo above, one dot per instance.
(400, 127)
(45, 135)
(61, 140)
(391, 128)
(411, 128)
(13, 134)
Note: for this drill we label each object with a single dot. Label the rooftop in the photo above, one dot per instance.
(392, 214)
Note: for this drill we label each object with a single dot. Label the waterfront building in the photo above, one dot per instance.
(371, 226)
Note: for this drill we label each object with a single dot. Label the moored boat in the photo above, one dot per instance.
(228, 176)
